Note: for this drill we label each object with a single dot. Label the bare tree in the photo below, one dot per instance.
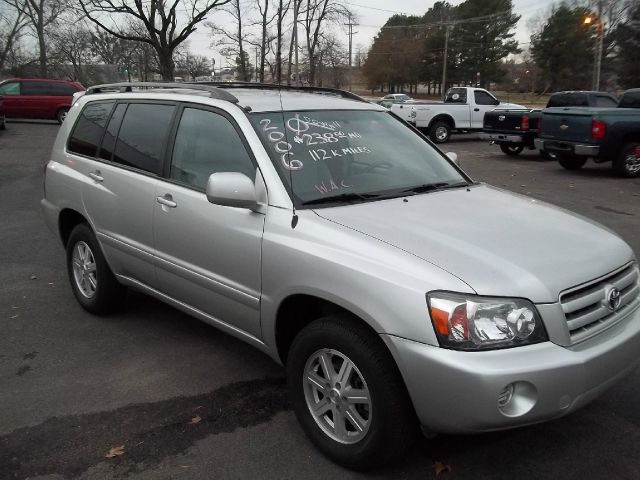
(316, 15)
(283, 8)
(194, 65)
(154, 22)
(115, 51)
(40, 14)
(265, 38)
(234, 41)
(71, 45)
(12, 24)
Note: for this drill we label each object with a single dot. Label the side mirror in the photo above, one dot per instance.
(453, 156)
(231, 189)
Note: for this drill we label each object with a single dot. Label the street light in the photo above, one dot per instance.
(593, 20)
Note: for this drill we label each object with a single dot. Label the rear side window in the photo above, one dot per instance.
(36, 88)
(456, 95)
(142, 136)
(89, 128)
(110, 136)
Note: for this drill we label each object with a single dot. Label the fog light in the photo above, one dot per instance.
(504, 397)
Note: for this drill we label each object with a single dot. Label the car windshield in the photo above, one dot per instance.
(349, 156)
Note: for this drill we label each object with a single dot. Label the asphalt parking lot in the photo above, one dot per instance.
(185, 401)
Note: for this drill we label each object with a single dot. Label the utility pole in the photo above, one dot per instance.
(444, 59)
(351, 33)
(598, 53)
(295, 36)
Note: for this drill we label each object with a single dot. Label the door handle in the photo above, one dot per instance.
(97, 176)
(476, 109)
(167, 201)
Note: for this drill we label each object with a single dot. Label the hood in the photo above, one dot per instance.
(497, 242)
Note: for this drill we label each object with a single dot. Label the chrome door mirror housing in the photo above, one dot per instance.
(232, 189)
(453, 156)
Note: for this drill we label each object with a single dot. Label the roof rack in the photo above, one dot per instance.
(124, 87)
(276, 86)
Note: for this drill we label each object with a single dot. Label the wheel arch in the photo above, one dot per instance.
(67, 221)
(443, 117)
(298, 310)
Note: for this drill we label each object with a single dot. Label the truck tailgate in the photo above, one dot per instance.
(567, 124)
(504, 120)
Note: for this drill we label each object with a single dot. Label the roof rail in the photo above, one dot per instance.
(276, 86)
(124, 87)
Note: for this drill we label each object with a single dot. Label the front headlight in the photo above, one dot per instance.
(471, 322)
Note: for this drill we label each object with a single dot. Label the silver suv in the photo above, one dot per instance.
(338, 240)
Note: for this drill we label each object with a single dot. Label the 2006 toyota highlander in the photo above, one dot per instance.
(336, 238)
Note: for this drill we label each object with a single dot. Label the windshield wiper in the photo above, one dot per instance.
(343, 197)
(430, 187)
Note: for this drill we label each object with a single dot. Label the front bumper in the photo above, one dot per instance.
(564, 147)
(502, 138)
(457, 392)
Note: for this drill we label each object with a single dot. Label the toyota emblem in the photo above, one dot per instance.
(613, 298)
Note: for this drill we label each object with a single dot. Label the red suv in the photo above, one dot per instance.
(38, 98)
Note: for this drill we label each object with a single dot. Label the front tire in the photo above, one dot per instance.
(92, 281)
(348, 395)
(571, 162)
(511, 149)
(627, 163)
(440, 132)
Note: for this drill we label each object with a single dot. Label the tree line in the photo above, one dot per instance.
(473, 44)
(147, 38)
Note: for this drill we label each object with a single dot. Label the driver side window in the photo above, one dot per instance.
(483, 98)
(206, 143)
(11, 88)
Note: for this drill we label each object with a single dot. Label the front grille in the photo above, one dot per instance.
(586, 306)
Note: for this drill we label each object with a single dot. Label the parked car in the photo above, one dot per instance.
(395, 98)
(604, 134)
(515, 130)
(338, 240)
(3, 122)
(463, 109)
(38, 98)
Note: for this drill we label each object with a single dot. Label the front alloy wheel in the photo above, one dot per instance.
(348, 394)
(337, 396)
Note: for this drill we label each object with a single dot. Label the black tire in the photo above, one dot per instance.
(548, 156)
(627, 162)
(108, 293)
(61, 115)
(512, 149)
(571, 162)
(440, 132)
(391, 426)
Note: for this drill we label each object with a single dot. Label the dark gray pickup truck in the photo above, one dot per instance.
(604, 134)
(515, 130)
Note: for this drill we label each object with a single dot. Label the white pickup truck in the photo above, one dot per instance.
(463, 109)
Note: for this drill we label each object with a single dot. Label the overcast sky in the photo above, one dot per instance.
(371, 15)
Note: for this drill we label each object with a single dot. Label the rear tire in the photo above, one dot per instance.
(512, 149)
(372, 395)
(61, 115)
(92, 281)
(571, 162)
(627, 162)
(440, 132)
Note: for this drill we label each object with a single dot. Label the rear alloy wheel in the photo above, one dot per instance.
(571, 162)
(511, 149)
(440, 132)
(61, 115)
(627, 163)
(348, 394)
(92, 282)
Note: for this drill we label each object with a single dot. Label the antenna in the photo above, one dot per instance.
(294, 219)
